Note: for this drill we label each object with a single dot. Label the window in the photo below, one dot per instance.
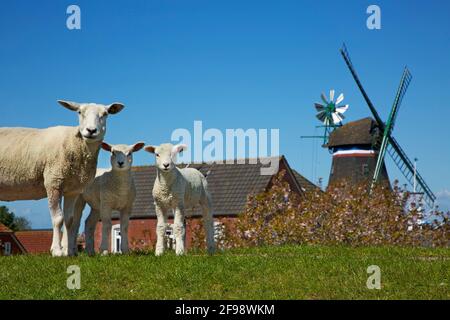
(365, 169)
(116, 239)
(218, 230)
(170, 238)
(7, 249)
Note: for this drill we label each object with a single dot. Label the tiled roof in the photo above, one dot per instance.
(305, 184)
(229, 185)
(4, 228)
(35, 241)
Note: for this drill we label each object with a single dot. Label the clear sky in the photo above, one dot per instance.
(231, 64)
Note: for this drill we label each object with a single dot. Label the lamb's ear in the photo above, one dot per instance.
(115, 107)
(106, 147)
(74, 106)
(150, 149)
(179, 148)
(137, 146)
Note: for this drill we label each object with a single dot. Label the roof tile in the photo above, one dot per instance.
(4, 228)
(35, 241)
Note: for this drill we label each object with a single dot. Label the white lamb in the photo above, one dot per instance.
(55, 162)
(112, 190)
(176, 190)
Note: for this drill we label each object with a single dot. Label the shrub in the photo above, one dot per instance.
(345, 214)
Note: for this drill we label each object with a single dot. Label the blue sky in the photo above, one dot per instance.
(231, 64)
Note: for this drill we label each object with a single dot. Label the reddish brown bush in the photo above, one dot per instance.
(345, 214)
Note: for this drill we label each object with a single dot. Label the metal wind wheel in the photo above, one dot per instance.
(331, 114)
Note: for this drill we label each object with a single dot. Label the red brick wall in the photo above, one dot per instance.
(142, 232)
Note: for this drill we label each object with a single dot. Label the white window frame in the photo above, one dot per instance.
(115, 235)
(7, 251)
(218, 230)
(170, 236)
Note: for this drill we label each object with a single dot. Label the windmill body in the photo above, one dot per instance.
(355, 149)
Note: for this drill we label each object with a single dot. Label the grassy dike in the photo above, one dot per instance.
(288, 272)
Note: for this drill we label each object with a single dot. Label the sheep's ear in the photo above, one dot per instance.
(137, 146)
(106, 147)
(74, 106)
(179, 148)
(115, 108)
(150, 149)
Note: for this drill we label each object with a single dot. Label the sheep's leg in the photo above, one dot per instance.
(69, 238)
(89, 230)
(75, 227)
(161, 226)
(105, 214)
(208, 222)
(124, 219)
(54, 204)
(179, 230)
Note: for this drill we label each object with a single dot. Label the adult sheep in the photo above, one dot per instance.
(55, 162)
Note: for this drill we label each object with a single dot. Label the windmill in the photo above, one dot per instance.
(388, 143)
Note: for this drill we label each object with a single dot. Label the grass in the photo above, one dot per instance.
(288, 272)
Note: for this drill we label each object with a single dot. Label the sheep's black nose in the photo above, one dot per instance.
(92, 131)
(120, 163)
(166, 165)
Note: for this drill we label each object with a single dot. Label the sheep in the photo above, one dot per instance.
(111, 190)
(55, 162)
(178, 189)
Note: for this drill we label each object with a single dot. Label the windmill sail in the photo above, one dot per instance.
(407, 168)
(389, 126)
(404, 84)
(346, 57)
(389, 144)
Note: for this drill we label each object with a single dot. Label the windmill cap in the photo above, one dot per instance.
(360, 132)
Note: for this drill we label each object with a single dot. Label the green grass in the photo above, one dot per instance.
(289, 272)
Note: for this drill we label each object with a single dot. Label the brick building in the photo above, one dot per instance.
(229, 185)
(22, 242)
(9, 244)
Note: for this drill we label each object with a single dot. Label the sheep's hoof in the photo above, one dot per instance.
(56, 252)
(179, 252)
(64, 252)
(159, 252)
